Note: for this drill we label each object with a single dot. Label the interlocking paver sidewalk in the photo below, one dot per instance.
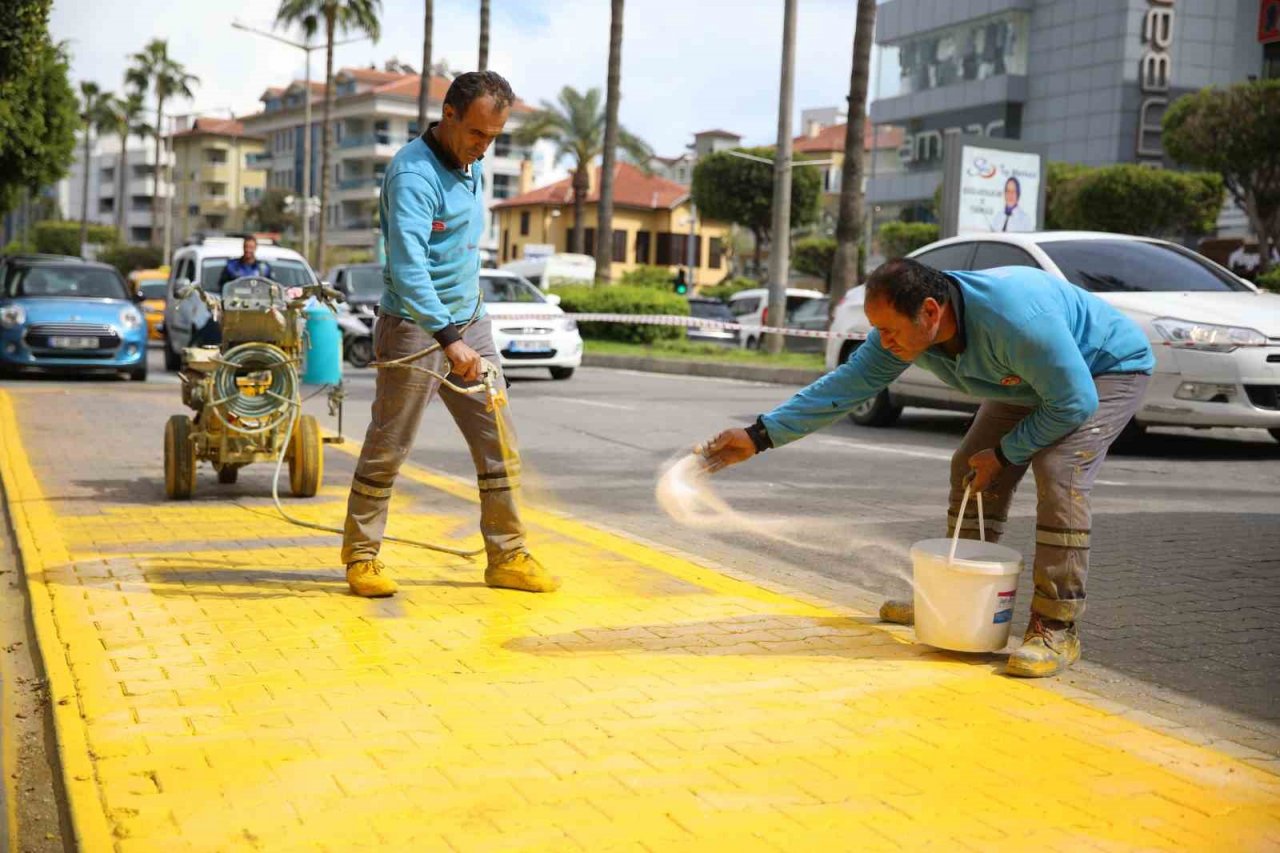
(218, 689)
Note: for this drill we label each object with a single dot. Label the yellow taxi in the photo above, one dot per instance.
(152, 284)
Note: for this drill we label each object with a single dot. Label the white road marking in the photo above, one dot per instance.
(595, 403)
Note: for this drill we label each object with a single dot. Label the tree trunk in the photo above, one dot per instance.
(425, 94)
(122, 166)
(581, 184)
(484, 36)
(604, 210)
(84, 199)
(759, 238)
(844, 267)
(326, 139)
(155, 176)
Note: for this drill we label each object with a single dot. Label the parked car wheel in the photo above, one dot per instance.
(306, 459)
(179, 458)
(753, 343)
(360, 352)
(561, 372)
(172, 360)
(879, 411)
(139, 373)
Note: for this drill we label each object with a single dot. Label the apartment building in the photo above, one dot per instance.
(214, 183)
(113, 194)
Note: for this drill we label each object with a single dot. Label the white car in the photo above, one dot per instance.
(547, 339)
(1216, 337)
(751, 308)
(203, 262)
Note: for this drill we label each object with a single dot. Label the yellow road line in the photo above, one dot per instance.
(40, 546)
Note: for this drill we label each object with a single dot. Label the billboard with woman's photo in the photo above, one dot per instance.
(992, 186)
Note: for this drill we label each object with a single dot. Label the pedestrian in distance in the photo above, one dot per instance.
(432, 218)
(1061, 373)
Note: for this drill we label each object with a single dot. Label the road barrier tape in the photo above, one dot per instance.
(685, 322)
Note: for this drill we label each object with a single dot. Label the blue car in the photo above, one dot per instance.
(68, 316)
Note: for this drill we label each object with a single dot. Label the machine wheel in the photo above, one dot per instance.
(228, 474)
(360, 352)
(879, 411)
(561, 372)
(179, 458)
(306, 458)
(172, 361)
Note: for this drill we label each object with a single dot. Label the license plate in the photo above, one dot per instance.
(529, 346)
(60, 342)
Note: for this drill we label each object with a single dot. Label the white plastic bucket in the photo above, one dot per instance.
(964, 590)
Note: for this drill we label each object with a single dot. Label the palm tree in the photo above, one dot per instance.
(575, 123)
(844, 266)
(424, 88)
(484, 36)
(337, 15)
(125, 120)
(93, 114)
(153, 69)
(604, 212)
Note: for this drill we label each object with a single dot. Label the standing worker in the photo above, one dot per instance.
(1062, 373)
(432, 215)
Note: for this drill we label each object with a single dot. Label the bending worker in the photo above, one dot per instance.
(1061, 371)
(432, 215)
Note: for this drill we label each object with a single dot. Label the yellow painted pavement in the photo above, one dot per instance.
(217, 689)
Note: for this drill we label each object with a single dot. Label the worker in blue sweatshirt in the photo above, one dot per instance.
(432, 216)
(1061, 373)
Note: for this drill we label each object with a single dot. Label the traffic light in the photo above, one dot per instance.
(679, 285)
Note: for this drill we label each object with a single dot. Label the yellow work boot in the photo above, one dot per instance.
(898, 612)
(520, 571)
(366, 579)
(1048, 647)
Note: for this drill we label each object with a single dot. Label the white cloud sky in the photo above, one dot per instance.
(688, 65)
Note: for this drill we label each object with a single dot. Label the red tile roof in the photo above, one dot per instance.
(215, 127)
(372, 75)
(832, 139)
(631, 188)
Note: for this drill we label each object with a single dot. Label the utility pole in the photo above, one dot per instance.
(780, 229)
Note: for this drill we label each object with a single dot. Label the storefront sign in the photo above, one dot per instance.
(1269, 21)
(1155, 74)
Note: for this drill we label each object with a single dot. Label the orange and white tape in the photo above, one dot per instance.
(685, 322)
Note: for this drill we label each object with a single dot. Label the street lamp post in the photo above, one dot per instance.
(306, 132)
(780, 250)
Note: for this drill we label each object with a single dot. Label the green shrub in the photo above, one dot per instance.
(1132, 199)
(17, 247)
(63, 237)
(814, 256)
(620, 299)
(1270, 280)
(725, 289)
(648, 276)
(129, 258)
(901, 238)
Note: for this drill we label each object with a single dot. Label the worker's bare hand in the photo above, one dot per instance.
(728, 448)
(464, 362)
(986, 467)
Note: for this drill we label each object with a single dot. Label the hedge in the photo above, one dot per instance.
(62, 237)
(130, 258)
(620, 299)
(648, 276)
(725, 289)
(901, 238)
(1270, 280)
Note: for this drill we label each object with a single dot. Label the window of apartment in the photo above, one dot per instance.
(106, 205)
(716, 251)
(506, 236)
(619, 250)
(140, 204)
(108, 174)
(382, 131)
(193, 210)
(642, 247)
(504, 186)
(502, 145)
(214, 189)
(215, 156)
(973, 50)
(143, 170)
(524, 224)
(676, 249)
(252, 195)
(413, 131)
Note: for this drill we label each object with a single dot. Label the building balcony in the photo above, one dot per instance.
(216, 173)
(352, 232)
(379, 146)
(353, 189)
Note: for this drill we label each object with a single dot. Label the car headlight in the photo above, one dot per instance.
(131, 318)
(1207, 336)
(570, 324)
(11, 316)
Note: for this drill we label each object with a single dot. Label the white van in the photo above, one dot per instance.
(751, 308)
(547, 270)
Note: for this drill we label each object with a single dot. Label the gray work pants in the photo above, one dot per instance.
(1065, 472)
(400, 397)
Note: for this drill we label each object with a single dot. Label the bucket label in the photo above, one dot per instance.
(1004, 607)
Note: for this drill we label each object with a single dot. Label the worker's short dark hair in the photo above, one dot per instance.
(465, 88)
(906, 284)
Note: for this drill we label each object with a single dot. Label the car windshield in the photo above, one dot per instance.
(66, 282)
(288, 273)
(711, 311)
(364, 282)
(509, 289)
(152, 289)
(1135, 266)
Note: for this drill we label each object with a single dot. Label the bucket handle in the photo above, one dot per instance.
(982, 525)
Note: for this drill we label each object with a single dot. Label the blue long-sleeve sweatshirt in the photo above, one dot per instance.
(432, 217)
(1030, 339)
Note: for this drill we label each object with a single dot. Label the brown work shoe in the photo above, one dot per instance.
(898, 612)
(521, 571)
(366, 579)
(1048, 647)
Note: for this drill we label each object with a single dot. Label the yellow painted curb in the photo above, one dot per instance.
(39, 545)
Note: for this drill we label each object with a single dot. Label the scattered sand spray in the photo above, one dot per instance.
(685, 493)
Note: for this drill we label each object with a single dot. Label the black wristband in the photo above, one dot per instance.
(448, 335)
(1004, 460)
(759, 436)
